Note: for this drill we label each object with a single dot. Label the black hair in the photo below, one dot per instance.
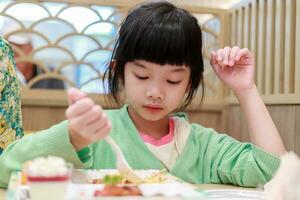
(161, 33)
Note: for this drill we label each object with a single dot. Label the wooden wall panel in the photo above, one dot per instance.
(289, 46)
(297, 129)
(269, 47)
(254, 27)
(286, 119)
(233, 28)
(261, 46)
(235, 124)
(239, 27)
(211, 119)
(38, 118)
(297, 42)
(279, 47)
(246, 29)
(274, 40)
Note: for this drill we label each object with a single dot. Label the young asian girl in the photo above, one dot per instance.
(157, 63)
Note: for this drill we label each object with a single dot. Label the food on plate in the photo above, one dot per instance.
(157, 177)
(156, 183)
(115, 190)
(114, 178)
(109, 179)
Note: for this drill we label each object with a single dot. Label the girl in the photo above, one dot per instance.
(157, 62)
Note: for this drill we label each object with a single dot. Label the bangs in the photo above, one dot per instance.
(169, 39)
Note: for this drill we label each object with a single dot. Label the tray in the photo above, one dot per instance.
(79, 188)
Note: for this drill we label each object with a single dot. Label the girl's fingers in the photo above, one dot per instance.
(220, 55)
(96, 114)
(214, 62)
(88, 131)
(220, 58)
(234, 51)
(90, 116)
(241, 53)
(213, 59)
(90, 122)
(87, 121)
(101, 133)
(101, 121)
(79, 107)
(95, 127)
(74, 95)
(226, 52)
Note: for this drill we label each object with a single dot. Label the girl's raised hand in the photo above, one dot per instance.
(87, 121)
(235, 67)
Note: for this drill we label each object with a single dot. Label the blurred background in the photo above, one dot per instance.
(60, 44)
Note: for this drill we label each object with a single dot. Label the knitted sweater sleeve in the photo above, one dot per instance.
(53, 141)
(232, 162)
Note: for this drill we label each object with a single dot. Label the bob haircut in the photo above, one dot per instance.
(161, 33)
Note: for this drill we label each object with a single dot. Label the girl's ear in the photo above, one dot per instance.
(112, 64)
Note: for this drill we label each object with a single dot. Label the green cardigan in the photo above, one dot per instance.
(207, 157)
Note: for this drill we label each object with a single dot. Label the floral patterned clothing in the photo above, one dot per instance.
(10, 107)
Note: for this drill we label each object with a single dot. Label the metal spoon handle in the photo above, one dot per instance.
(114, 146)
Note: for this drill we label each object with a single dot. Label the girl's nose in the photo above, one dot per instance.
(155, 93)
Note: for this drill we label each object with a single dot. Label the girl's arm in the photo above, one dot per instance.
(263, 131)
(235, 67)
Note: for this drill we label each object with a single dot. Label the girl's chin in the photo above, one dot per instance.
(153, 116)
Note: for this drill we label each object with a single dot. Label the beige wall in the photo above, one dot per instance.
(286, 118)
(39, 118)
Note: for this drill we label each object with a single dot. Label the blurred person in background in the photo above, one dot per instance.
(27, 70)
(10, 106)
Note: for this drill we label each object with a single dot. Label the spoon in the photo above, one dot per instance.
(122, 165)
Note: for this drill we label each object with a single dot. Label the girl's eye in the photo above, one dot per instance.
(141, 77)
(173, 82)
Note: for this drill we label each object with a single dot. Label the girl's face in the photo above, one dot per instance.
(152, 90)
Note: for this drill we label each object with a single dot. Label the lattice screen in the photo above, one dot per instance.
(72, 42)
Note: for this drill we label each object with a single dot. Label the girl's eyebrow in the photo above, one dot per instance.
(177, 69)
(181, 69)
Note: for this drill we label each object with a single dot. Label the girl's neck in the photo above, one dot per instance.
(155, 129)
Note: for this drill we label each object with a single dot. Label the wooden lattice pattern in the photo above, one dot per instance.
(61, 52)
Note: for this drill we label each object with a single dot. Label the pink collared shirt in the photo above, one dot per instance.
(164, 148)
(162, 141)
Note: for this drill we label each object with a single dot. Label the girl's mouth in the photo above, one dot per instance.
(153, 108)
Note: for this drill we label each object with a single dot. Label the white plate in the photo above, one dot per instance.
(234, 194)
